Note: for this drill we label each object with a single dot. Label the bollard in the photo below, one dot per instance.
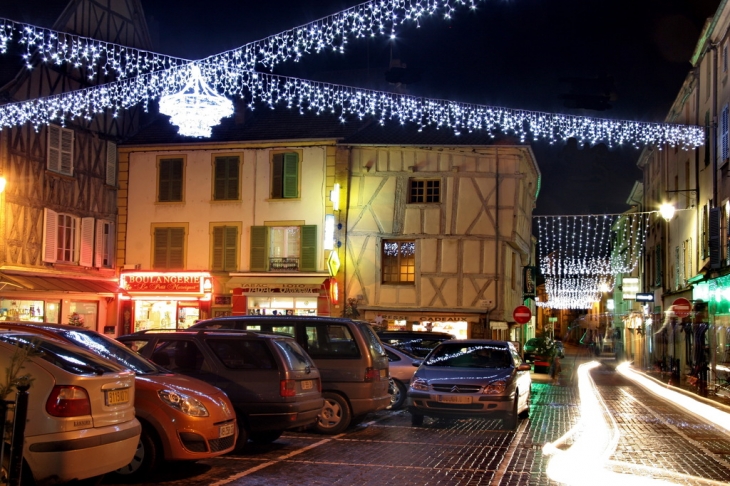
(16, 446)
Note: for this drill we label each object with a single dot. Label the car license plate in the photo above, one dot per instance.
(307, 384)
(117, 397)
(454, 399)
(226, 430)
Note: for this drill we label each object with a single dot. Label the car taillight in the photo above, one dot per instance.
(68, 401)
(372, 374)
(288, 388)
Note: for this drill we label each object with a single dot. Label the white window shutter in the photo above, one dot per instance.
(67, 151)
(86, 253)
(111, 163)
(49, 235)
(99, 246)
(54, 148)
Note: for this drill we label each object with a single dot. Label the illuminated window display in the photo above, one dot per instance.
(292, 306)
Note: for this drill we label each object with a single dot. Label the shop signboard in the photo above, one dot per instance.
(164, 283)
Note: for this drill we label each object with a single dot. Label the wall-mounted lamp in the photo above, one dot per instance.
(335, 197)
(667, 211)
(2, 184)
(207, 285)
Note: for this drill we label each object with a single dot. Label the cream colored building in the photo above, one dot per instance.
(437, 236)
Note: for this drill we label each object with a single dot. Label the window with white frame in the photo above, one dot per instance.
(104, 247)
(60, 150)
(82, 241)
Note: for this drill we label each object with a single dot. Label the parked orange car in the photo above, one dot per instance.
(182, 418)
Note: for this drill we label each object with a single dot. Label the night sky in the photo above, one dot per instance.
(510, 53)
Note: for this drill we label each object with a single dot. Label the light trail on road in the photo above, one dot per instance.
(594, 440)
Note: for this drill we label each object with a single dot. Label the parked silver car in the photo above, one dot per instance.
(471, 378)
(402, 368)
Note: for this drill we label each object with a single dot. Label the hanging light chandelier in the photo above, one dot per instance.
(196, 109)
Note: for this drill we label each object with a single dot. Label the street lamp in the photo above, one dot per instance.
(667, 211)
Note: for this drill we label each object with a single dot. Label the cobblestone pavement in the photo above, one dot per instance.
(656, 440)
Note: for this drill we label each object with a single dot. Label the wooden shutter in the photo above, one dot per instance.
(169, 249)
(230, 252)
(54, 149)
(218, 247)
(50, 229)
(67, 151)
(226, 178)
(277, 176)
(111, 163)
(724, 134)
(259, 248)
(86, 252)
(104, 248)
(170, 183)
(291, 175)
(715, 245)
(309, 249)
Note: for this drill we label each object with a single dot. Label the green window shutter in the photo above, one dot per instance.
(291, 175)
(277, 176)
(169, 249)
(226, 178)
(230, 251)
(218, 247)
(259, 250)
(309, 249)
(170, 180)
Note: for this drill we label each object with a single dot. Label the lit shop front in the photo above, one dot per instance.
(59, 300)
(456, 324)
(310, 296)
(164, 300)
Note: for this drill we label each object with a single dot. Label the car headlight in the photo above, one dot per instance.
(185, 404)
(496, 387)
(420, 384)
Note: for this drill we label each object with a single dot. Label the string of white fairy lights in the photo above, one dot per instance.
(579, 255)
(329, 98)
(232, 73)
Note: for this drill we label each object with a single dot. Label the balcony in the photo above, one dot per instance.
(287, 264)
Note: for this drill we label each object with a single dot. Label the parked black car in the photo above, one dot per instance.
(271, 381)
(350, 358)
(417, 343)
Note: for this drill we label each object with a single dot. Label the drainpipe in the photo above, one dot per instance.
(497, 247)
(713, 126)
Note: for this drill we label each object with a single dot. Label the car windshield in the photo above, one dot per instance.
(111, 350)
(68, 357)
(465, 355)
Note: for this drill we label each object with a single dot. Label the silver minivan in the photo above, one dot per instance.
(352, 362)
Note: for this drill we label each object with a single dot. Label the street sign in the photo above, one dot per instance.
(681, 307)
(522, 314)
(644, 297)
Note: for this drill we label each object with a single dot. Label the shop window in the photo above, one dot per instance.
(225, 248)
(285, 175)
(424, 191)
(60, 150)
(169, 249)
(226, 178)
(61, 237)
(399, 262)
(170, 180)
(284, 248)
(83, 314)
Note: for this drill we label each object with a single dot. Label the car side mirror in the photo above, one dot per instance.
(524, 367)
(417, 362)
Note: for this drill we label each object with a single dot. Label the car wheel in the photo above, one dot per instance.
(145, 457)
(265, 437)
(526, 412)
(512, 419)
(397, 392)
(335, 415)
(416, 419)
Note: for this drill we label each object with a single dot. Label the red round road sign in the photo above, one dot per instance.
(681, 307)
(522, 314)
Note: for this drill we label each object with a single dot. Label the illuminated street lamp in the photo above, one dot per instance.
(667, 211)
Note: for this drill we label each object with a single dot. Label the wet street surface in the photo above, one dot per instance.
(647, 441)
